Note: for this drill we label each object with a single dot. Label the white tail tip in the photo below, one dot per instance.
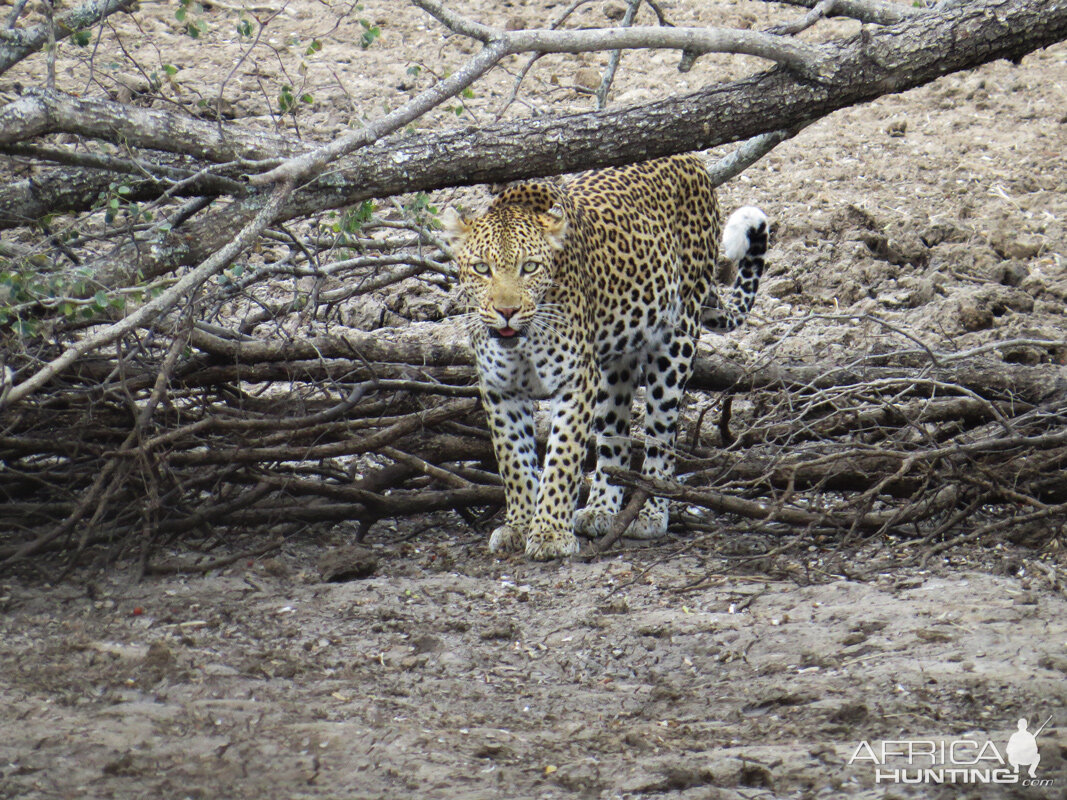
(735, 234)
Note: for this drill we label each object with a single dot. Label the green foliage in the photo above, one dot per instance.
(245, 29)
(355, 218)
(458, 109)
(117, 200)
(371, 32)
(156, 80)
(420, 208)
(69, 294)
(313, 48)
(81, 38)
(231, 275)
(350, 222)
(189, 12)
(286, 101)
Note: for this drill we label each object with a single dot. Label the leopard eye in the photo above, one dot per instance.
(530, 267)
(480, 267)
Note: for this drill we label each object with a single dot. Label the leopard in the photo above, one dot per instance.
(579, 293)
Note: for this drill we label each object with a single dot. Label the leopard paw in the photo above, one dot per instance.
(593, 522)
(544, 545)
(651, 523)
(507, 539)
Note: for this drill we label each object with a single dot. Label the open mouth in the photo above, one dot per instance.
(507, 335)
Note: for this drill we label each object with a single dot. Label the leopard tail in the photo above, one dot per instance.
(744, 242)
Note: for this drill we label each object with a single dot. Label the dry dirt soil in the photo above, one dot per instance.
(687, 669)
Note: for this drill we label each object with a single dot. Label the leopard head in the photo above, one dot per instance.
(506, 261)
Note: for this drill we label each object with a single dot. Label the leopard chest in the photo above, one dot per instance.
(537, 367)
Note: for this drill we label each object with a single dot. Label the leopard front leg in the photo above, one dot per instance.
(511, 424)
(552, 532)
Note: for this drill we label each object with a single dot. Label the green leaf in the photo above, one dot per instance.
(170, 69)
(286, 101)
(113, 203)
(307, 98)
(313, 48)
(124, 189)
(354, 219)
(181, 14)
(81, 38)
(370, 33)
(100, 299)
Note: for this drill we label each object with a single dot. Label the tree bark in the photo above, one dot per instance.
(891, 59)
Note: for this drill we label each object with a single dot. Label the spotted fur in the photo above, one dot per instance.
(577, 292)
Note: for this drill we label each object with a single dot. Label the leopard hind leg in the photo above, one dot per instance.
(612, 426)
(666, 375)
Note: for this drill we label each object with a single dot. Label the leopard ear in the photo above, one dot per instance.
(454, 226)
(555, 223)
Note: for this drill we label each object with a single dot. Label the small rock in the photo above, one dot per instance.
(1027, 356)
(588, 78)
(894, 251)
(276, 568)
(614, 11)
(617, 605)
(1010, 273)
(427, 643)
(938, 232)
(781, 287)
(850, 712)
(1009, 243)
(1053, 662)
(158, 655)
(897, 128)
(974, 317)
(504, 630)
(347, 564)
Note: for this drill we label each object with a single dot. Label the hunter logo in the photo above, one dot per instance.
(1022, 748)
(966, 760)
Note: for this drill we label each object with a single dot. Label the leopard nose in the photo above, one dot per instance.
(505, 312)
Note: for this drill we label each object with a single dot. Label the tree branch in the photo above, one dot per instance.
(153, 309)
(17, 44)
(877, 12)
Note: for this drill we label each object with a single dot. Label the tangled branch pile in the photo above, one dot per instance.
(197, 426)
(179, 354)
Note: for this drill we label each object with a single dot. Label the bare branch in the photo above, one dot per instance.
(805, 59)
(877, 12)
(155, 308)
(16, 44)
(823, 8)
(747, 154)
(43, 111)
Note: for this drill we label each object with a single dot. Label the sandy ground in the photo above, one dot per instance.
(658, 672)
(690, 669)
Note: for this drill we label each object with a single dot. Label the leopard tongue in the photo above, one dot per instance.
(506, 332)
